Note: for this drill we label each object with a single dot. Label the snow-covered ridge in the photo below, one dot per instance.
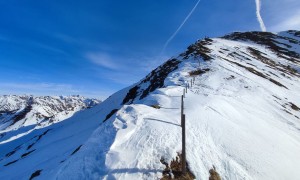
(242, 117)
(17, 111)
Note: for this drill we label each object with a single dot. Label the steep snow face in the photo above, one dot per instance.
(28, 112)
(242, 117)
(41, 150)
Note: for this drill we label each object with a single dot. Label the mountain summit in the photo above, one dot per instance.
(242, 119)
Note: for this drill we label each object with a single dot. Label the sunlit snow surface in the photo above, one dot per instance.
(239, 122)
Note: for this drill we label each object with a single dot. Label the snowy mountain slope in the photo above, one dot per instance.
(242, 117)
(48, 147)
(21, 114)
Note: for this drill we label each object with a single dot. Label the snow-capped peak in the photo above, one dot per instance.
(17, 111)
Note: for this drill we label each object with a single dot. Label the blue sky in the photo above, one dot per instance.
(96, 47)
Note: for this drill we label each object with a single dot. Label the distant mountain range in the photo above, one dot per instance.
(17, 111)
(242, 109)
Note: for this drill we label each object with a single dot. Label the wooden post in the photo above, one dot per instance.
(181, 114)
(191, 83)
(194, 80)
(183, 156)
(184, 93)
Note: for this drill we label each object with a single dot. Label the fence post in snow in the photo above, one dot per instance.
(181, 113)
(184, 92)
(186, 86)
(191, 83)
(183, 155)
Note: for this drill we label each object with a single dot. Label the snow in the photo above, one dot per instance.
(242, 142)
(43, 111)
(239, 122)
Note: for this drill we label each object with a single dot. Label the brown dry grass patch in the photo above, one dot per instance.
(214, 175)
(173, 171)
(156, 106)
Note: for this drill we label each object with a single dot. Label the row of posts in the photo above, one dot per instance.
(183, 164)
(188, 85)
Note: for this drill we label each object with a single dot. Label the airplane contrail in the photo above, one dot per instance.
(178, 29)
(259, 18)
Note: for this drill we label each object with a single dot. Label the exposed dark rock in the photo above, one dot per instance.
(272, 64)
(131, 95)
(230, 77)
(38, 138)
(199, 49)
(26, 154)
(11, 162)
(294, 107)
(198, 72)
(30, 145)
(269, 40)
(22, 114)
(294, 32)
(158, 78)
(35, 174)
(110, 114)
(276, 97)
(287, 112)
(11, 153)
(77, 149)
(237, 55)
(155, 79)
(252, 70)
(44, 133)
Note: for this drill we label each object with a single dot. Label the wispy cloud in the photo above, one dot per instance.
(289, 23)
(47, 47)
(51, 88)
(132, 69)
(79, 41)
(32, 43)
(121, 78)
(147, 64)
(66, 38)
(103, 59)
